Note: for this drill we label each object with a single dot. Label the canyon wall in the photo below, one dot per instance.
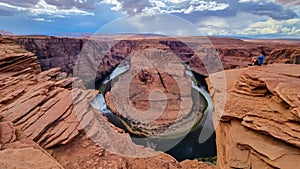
(203, 55)
(53, 52)
(259, 127)
(46, 121)
(65, 53)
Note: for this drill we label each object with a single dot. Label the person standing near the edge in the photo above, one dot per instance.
(259, 60)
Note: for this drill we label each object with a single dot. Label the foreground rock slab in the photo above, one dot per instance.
(25, 158)
(260, 124)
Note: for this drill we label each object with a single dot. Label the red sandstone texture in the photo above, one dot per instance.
(40, 112)
(259, 127)
(205, 55)
(46, 121)
(158, 90)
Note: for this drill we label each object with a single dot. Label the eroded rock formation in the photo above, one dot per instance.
(259, 127)
(284, 55)
(212, 54)
(154, 94)
(53, 52)
(49, 115)
(41, 113)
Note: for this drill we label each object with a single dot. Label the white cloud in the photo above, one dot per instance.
(215, 22)
(43, 8)
(18, 8)
(20, 3)
(117, 6)
(169, 6)
(269, 8)
(39, 19)
(175, 1)
(245, 1)
(245, 24)
(214, 17)
(187, 7)
(189, 10)
(209, 5)
(159, 4)
(164, 24)
(86, 24)
(67, 4)
(212, 30)
(43, 20)
(213, 25)
(289, 27)
(256, 1)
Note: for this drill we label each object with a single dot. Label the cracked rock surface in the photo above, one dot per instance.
(259, 127)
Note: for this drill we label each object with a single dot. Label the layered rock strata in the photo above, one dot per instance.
(259, 127)
(46, 121)
(40, 104)
(284, 55)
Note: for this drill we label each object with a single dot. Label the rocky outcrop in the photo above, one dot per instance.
(151, 94)
(284, 55)
(17, 151)
(25, 158)
(16, 59)
(259, 127)
(46, 120)
(40, 105)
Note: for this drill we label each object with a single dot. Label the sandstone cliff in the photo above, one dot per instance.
(105, 55)
(46, 121)
(53, 52)
(284, 55)
(259, 127)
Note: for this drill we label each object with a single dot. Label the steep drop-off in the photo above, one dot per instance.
(47, 116)
(202, 54)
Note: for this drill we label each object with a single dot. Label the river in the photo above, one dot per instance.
(199, 142)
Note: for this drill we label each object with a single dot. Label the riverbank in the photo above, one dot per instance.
(188, 143)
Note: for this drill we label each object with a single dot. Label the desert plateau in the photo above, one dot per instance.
(149, 84)
(48, 119)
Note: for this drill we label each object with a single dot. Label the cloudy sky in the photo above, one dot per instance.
(243, 18)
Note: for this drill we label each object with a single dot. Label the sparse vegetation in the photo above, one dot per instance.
(211, 160)
(102, 89)
(19, 51)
